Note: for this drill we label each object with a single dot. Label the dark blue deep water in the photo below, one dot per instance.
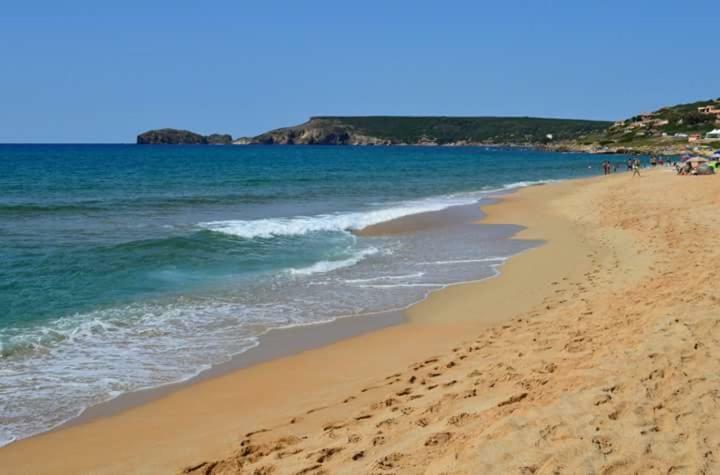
(125, 266)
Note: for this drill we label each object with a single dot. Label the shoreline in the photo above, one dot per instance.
(284, 341)
(600, 357)
(420, 328)
(280, 342)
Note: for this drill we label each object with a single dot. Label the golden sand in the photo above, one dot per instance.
(594, 353)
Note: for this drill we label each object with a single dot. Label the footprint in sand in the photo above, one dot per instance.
(325, 454)
(390, 461)
(438, 439)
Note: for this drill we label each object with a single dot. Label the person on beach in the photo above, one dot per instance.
(636, 167)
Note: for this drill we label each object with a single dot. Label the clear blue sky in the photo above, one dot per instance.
(97, 71)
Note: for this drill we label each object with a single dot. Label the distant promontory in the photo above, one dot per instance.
(181, 137)
(669, 130)
(398, 130)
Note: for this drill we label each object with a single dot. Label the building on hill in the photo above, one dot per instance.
(711, 109)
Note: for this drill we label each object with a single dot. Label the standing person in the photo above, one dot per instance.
(636, 167)
(629, 164)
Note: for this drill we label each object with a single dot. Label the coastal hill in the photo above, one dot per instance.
(666, 131)
(681, 120)
(184, 137)
(670, 130)
(390, 130)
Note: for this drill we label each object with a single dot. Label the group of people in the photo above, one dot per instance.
(632, 164)
(685, 167)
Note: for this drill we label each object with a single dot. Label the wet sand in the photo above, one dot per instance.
(431, 220)
(596, 352)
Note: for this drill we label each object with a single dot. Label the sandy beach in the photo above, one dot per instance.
(593, 353)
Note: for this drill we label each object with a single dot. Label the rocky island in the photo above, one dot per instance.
(181, 137)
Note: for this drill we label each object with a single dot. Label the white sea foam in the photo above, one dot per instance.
(350, 221)
(414, 275)
(464, 261)
(327, 266)
(523, 184)
(81, 360)
(404, 285)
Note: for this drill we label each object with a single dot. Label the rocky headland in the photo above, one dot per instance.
(427, 131)
(667, 131)
(181, 137)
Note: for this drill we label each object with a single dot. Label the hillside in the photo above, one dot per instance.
(669, 130)
(682, 119)
(389, 130)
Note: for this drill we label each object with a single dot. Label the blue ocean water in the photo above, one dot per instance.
(124, 267)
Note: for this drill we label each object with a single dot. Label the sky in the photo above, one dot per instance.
(95, 71)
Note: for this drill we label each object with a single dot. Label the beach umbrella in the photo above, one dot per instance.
(697, 160)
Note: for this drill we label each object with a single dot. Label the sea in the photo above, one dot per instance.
(124, 267)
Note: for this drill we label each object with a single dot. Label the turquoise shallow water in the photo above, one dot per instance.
(123, 266)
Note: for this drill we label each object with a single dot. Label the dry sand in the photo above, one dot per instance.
(594, 353)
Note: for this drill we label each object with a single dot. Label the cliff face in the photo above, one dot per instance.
(181, 137)
(318, 132)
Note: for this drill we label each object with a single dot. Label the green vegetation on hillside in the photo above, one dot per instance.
(665, 122)
(431, 130)
(443, 130)
(181, 137)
